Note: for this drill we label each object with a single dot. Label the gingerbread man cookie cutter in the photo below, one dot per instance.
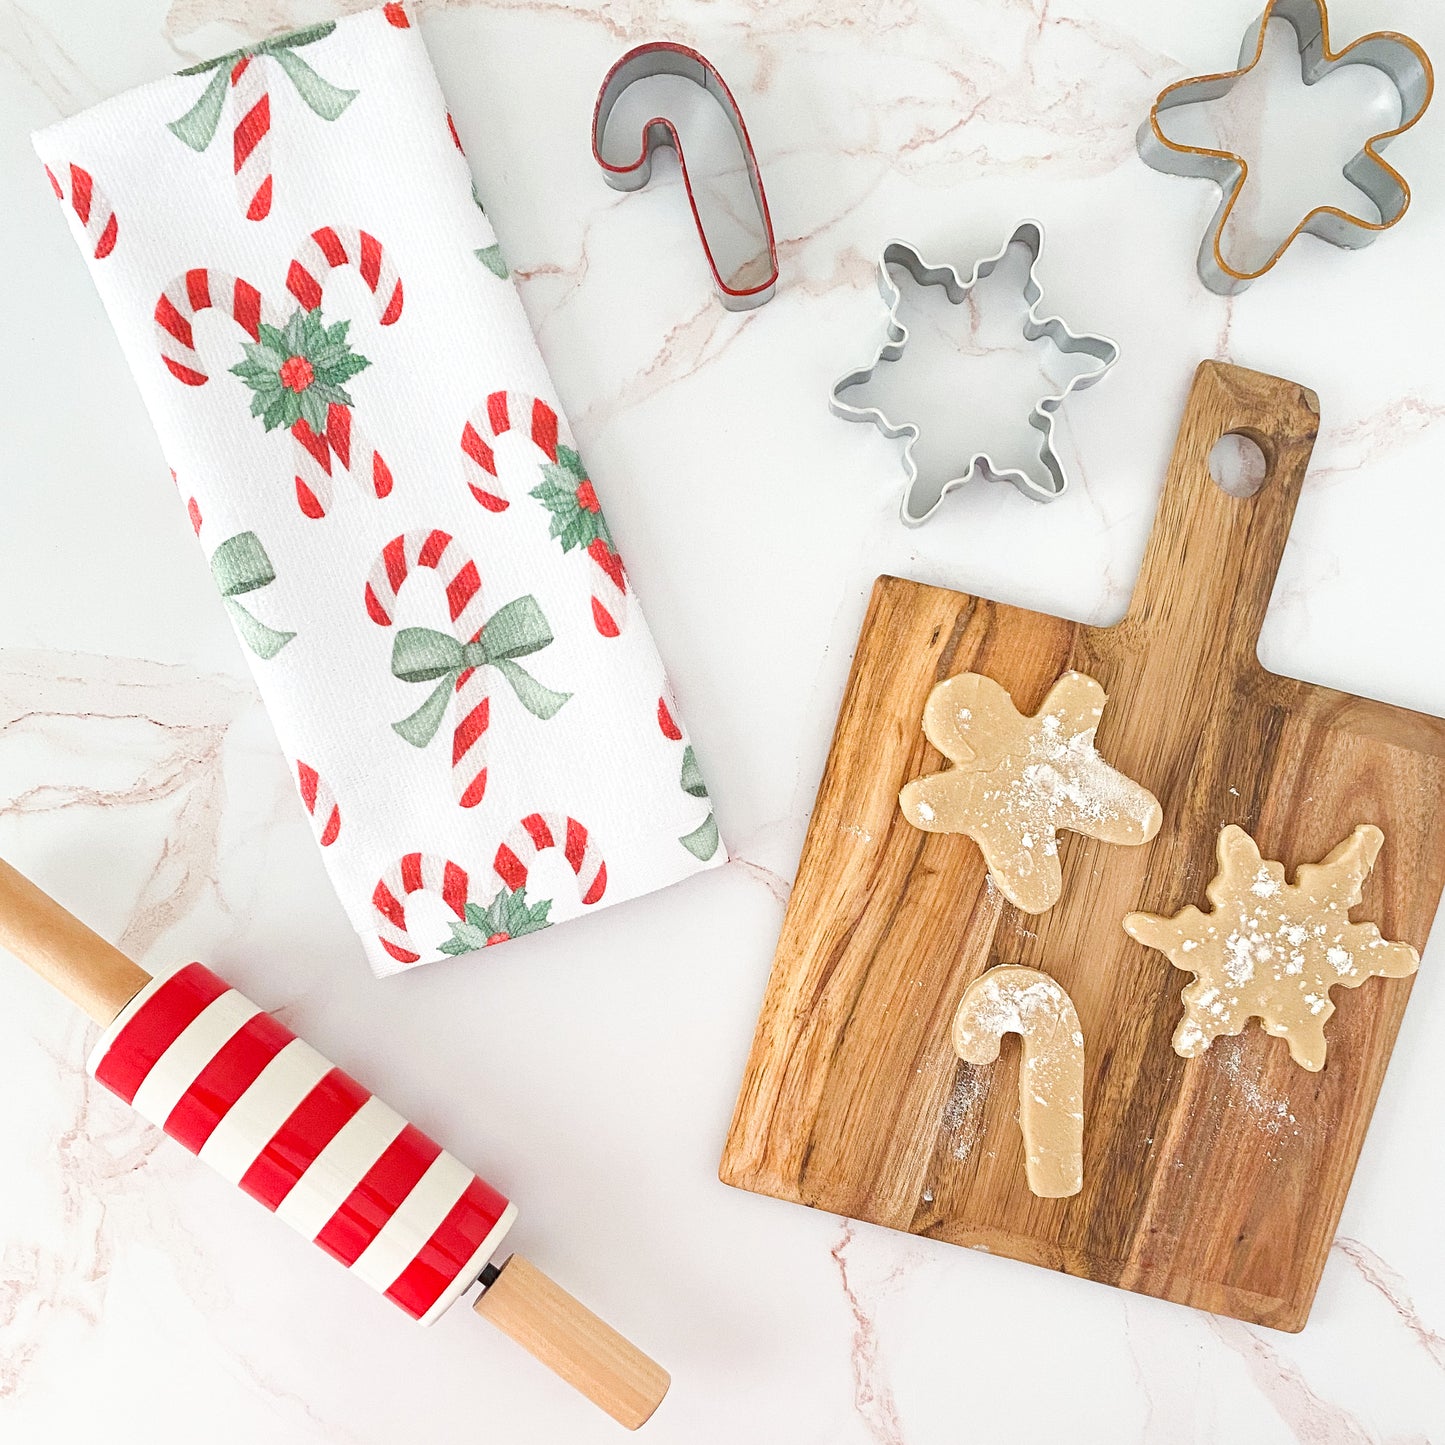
(1399, 58)
(1052, 481)
(666, 57)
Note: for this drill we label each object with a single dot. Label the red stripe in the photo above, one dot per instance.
(314, 443)
(303, 286)
(312, 1125)
(476, 790)
(239, 68)
(443, 1257)
(60, 194)
(251, 130)
(198, 288)
(497, 412)
(478, 450)
(246, 308)
(308, 779)
(452, 126)
(401, 955)
(106, 244)
(454, 889)
(411, 873)
(544, 428)
(380, 476)
(382, 1191)
(389, 906)
(331, 247)
(338, 432)
(374, 609)
(510, 868)
(80, 192)
(462, 588)
(536, 827)
(332, 828)
(393, 307)
(598, 888)
(260, 206)
(370, 262)
(232, 1070)
(576, 844)
(394, 556)
(603, 620)
(185, 373)
(171, 320)
(469, 729)
(431, 550)
(155, 1027)
(311, 505)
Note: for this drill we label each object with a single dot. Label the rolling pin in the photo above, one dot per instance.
(237, 1088)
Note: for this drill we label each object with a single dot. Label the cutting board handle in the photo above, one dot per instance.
(1211, 561)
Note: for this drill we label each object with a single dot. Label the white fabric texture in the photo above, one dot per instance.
(406, 482)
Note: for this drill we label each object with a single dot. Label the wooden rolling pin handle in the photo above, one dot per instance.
(93, 974)
(571, 1341)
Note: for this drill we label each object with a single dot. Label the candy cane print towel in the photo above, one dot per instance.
(392, 507)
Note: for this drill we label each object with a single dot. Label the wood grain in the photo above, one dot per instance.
(1216, 1182)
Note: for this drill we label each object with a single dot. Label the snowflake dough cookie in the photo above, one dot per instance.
(1013, 1000)
(1273, 950)
(1018, 780)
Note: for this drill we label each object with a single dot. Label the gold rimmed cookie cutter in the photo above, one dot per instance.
(1404, 63)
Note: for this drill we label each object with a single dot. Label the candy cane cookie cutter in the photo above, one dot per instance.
(1053, 481)
(90, 207)
(666, 57)
(1402, 60)
(1010, 999)
(566, 491)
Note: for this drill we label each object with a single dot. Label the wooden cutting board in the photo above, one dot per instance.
(1216, 1182)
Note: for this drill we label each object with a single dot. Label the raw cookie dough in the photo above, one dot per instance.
(1273, 950)
(1018, 780)
(1023, 1001)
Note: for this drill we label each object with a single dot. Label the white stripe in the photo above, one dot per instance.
(194, 1047)
(256, 1116)
(401, 1238)
(340, 1167)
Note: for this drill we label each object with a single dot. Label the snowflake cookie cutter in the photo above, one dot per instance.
(1053, 481)
(1404, 63)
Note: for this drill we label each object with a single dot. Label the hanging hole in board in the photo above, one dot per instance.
(1237, 465)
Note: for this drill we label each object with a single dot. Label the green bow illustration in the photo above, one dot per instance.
(422, 655)
(197, 127)
(240, 565)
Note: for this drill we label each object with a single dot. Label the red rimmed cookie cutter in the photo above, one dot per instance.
(666, 57)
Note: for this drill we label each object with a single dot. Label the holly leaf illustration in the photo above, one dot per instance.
(508, 915)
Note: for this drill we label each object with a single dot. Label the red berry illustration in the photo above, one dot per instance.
(296, 373)
(498, 938)
(587, 498)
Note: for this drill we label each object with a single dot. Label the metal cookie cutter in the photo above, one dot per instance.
(1400, 58)
(666, 57)
(1040, 488)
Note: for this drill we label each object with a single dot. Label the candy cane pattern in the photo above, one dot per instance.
(334, 246)
(471, 704)
(325, 250)
(189, 294)
(251, 137)
(320, 803)
(505, 411)
(91, 208)
(415, 873)
(538, 831)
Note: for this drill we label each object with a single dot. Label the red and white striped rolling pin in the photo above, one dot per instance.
(235, 1086)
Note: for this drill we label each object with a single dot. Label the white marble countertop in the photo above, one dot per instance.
(591, 1071)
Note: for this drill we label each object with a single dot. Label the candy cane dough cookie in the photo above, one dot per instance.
(565, 491)
(1023, 1001)
(539, 831)
(415, 873)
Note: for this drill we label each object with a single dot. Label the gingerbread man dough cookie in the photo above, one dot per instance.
(1018, 781)
(1273, 950)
